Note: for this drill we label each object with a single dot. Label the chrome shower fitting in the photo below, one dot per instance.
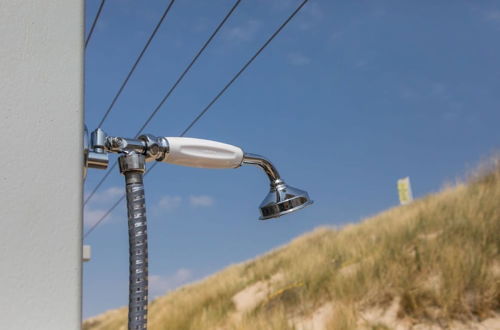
(93, 156)
(281, 199)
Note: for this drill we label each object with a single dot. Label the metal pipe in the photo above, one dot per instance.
(132, 167)
(264, 163)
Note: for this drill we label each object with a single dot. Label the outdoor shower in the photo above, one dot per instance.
(134, 153)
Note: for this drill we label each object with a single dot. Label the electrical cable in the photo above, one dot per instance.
(124, 83)
(167, 95)
(87, 233)
(99, 184)
(96, 18)
(111, 209)
(202, 49)
(221, 92)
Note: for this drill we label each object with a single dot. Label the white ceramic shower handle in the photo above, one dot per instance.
(202, 153)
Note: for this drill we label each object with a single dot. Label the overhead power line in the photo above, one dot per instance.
(99, 184)
(104, 216)
(204, 111)
(96, 18)
(120, 90)
(169, 92)
(202, 49)
(132, 69)
(247, 64)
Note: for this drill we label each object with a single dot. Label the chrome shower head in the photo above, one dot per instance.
(282, 198)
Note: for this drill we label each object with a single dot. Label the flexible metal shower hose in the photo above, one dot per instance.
(138, 248)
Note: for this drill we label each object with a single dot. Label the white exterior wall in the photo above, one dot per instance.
(41, 111)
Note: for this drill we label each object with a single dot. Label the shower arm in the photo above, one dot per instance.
(265, 164)
(185, 151)
(177, 150)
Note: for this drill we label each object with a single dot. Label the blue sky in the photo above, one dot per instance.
(351, 96)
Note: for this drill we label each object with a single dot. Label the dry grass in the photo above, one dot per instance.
(439, 257)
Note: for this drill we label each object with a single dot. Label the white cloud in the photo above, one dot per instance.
(361, 63)
(409, 93)
(92, 216)
(244, 32)
(99, 205)
(335, 36)
(312, 14)
(438, 89)
(450, 115)
(113, 192)
(279, 5)
(201, 201)
(159, 285)
(110, 194)
(493, 16)
(298, 59)
(314, 11)
(169, 203)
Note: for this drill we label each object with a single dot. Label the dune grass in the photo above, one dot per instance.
(439, 256)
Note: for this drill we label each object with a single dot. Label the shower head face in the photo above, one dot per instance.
(283, 199)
